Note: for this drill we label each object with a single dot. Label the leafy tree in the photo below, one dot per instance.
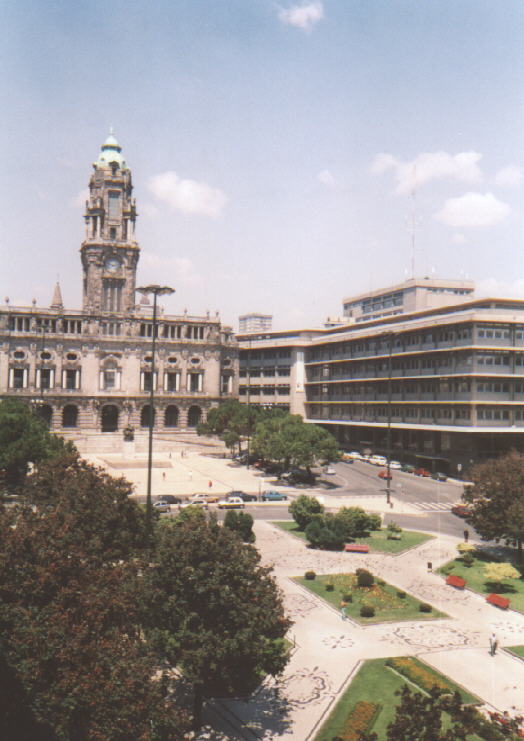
(497, 572)
(213, 611)
(241, 523)
(231, 421)
(319, 535)
(353, 522)
(303, 509)
(288, 440)
(24, 439)
(92, 508)
(73, 662)
(497, 499)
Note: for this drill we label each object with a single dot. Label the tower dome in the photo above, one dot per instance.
(111, 152)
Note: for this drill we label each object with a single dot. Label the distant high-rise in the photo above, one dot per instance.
(255, 322)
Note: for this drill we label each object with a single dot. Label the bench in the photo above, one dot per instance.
(498, 601)
(456, 581)
(356, 548)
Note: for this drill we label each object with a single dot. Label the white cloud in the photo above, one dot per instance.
(428, 166)
(458, 238)
(326, 178)
(509, 177)
(148, 209)
(79, 201)
(473, 210)
(302, 16)
(189, 196)
(176, 269)
(494, 287)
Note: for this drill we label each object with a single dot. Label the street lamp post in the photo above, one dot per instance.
(156, 291)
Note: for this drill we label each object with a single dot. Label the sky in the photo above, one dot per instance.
(285, 155)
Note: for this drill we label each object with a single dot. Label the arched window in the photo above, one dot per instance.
(194, 416)
(144, 416)
(171, 416)
(69, 415)
(109, 418)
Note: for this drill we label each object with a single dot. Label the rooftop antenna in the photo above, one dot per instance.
(413, 221)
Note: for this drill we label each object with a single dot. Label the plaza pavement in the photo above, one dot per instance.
(328, 651)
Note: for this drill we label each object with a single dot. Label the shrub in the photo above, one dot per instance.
(310, 575)
(347, 597)
(424, 607)
(365, 578)
(303, 508)
(394, 528)
(401, 594)
(329, 587)
(321, 536)
(367, 611)
(468, 559)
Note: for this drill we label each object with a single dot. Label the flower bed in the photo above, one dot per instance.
(359, 720)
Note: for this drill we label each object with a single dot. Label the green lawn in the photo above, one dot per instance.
(377, 683)
(517, 650)
(377, 539)
(513, 589)
(383, 597)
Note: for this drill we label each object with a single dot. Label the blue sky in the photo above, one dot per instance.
(278, 149)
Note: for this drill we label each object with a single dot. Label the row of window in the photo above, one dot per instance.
(110, 416)
(266, 372)
(264, 390)
(412, 413)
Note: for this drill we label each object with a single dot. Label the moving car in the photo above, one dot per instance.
(384, 474)
(407, 468)
(231, 503)
(378, 460)
(395, 465)
(170, 499)
(461, 510)
(199, 500)
(273, 496)
(243, 496)
(438, 476)
(161, 507)
(422, 472)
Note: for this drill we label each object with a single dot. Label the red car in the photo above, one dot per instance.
(422, 472)
(384, 475)
(461, 510)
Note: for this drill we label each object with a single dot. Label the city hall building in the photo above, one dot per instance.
(442, 371)
(91, 370)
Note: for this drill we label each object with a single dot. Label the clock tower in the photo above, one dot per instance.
(109, 251)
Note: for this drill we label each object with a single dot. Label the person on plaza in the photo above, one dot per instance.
(493, 644)
(343, 610)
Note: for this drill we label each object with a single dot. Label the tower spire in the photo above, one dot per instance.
(57, 302)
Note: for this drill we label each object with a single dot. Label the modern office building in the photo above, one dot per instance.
(255, 323)
(90, 370)
(447, 381)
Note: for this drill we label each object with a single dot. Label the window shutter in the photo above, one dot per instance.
(77, 379)
(38, 378)
(102, 380)
(11, 378)
(24, 378)
(142, 380)
(118, 380)
(200, 381)
(52, 378)
(64, 376)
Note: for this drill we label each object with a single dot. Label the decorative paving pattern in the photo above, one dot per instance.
(430, 636)
(306, 687)
(340, 641)
(298, 605)
(439, 592)
(507, 628)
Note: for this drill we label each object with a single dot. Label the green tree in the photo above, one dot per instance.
(288, 440)
(231, 421)
(24, 439)
(73, 662)
(241, 523)
(353, 522)
(303, 510)
(497, 499)
(213, 611)
(94, 509)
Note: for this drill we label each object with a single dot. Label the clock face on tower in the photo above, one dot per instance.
(112, 265)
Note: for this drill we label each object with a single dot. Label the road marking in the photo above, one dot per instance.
(432, 506)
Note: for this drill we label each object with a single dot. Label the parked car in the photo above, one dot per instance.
(297, 476)
(161, 507)
(395, 465)
(461, 510)
(243, 496)
(407, 468)
(329, 470)
(384, 474)
(354, 455)
(170, 499)
(231, 503)
(422, 472)
(438, 476)
(378, 460)
(199, 500)
(273, 496)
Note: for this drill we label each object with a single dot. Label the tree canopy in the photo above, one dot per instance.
(231, 421)
(213, 611)
(497, 499)
(288, 440)
(24, 439)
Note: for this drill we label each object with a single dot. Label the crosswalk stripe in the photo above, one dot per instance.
(433, 506)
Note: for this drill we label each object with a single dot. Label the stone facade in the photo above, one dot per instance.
(91, 370)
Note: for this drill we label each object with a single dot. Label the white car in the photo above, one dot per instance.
(231, 503)
(354, 455)
(200, 500)
(378, 460)
(329, 470)
(395, 465)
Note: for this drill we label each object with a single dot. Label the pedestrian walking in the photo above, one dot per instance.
(466, 536)
(164, 475)
(493, 644)
(430, 566)
(343, 610)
